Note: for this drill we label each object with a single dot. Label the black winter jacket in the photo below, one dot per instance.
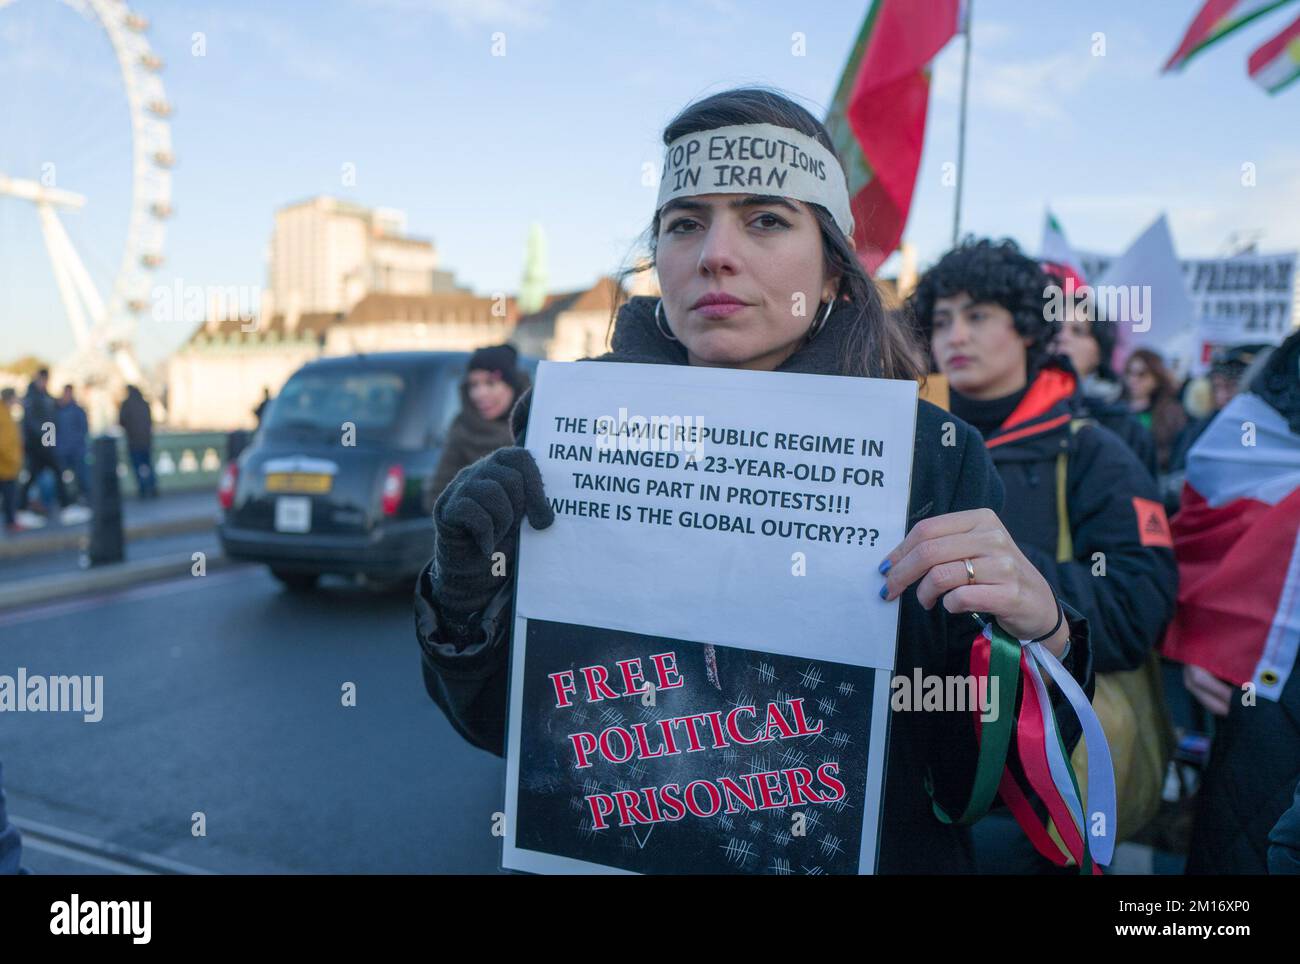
(1284, 840)
(1112, 413)
(1129, 606)
(1247, 788)
(39, 409)
(136, 420)
(469, 682)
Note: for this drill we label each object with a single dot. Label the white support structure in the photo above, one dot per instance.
(55, 246)
(104, 325)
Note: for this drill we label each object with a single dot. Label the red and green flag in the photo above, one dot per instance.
(1217, 19)
(1277, 63)
(1055, 251)
(877, 117)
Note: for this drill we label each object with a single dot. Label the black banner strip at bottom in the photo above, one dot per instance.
(211, 913)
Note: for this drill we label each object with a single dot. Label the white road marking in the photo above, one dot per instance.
(96, 852)
(163, 587)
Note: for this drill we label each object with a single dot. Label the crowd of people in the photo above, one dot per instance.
(1141, 524)
(1112, 489)
(45, 458)
(1091, 463)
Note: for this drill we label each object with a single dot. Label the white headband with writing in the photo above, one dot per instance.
(756, 159)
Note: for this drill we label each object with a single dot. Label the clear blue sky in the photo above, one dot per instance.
(475, 147)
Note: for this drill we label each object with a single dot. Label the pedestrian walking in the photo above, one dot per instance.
(70, 447)
(136, 420)
(40, 438)
(11, 460)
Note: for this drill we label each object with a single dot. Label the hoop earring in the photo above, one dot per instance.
(660, 323)
(819, 323)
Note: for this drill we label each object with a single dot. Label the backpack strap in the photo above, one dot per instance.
(1064, 541)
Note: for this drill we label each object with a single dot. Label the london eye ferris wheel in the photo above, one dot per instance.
(85, 181)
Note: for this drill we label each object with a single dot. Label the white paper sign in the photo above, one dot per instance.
(700, 658)
(769, 465)
(1244, 299)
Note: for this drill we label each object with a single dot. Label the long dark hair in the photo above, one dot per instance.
(879, 344)
(1166, 387)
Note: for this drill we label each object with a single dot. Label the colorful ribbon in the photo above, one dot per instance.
(1097, 826)
(1084, 837)
(1002, 659)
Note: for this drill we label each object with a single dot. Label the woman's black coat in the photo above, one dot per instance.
(951, 471)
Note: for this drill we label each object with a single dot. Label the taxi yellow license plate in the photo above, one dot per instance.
(298, 482)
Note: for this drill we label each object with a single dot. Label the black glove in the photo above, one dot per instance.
(478, 515)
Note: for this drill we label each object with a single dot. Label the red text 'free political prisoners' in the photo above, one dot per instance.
(695, 733)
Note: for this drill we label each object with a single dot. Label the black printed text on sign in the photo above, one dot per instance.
(700, 665)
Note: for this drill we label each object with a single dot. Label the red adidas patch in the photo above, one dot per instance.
(1153, 526)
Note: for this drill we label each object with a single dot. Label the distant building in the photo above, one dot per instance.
(449, 321)
(215, 380)
(576, 324)
(327, 254)
(344, 279)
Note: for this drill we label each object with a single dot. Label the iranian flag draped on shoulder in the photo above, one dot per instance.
(1237, 536)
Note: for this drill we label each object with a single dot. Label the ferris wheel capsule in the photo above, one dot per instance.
(103, 323)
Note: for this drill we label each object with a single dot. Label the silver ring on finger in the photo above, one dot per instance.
(970, 572)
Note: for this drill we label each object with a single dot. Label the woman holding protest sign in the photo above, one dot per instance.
(735, 260)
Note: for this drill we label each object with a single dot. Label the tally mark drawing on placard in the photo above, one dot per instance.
(738, 851)
(827, 706)
(831, 845)
(812, 676)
